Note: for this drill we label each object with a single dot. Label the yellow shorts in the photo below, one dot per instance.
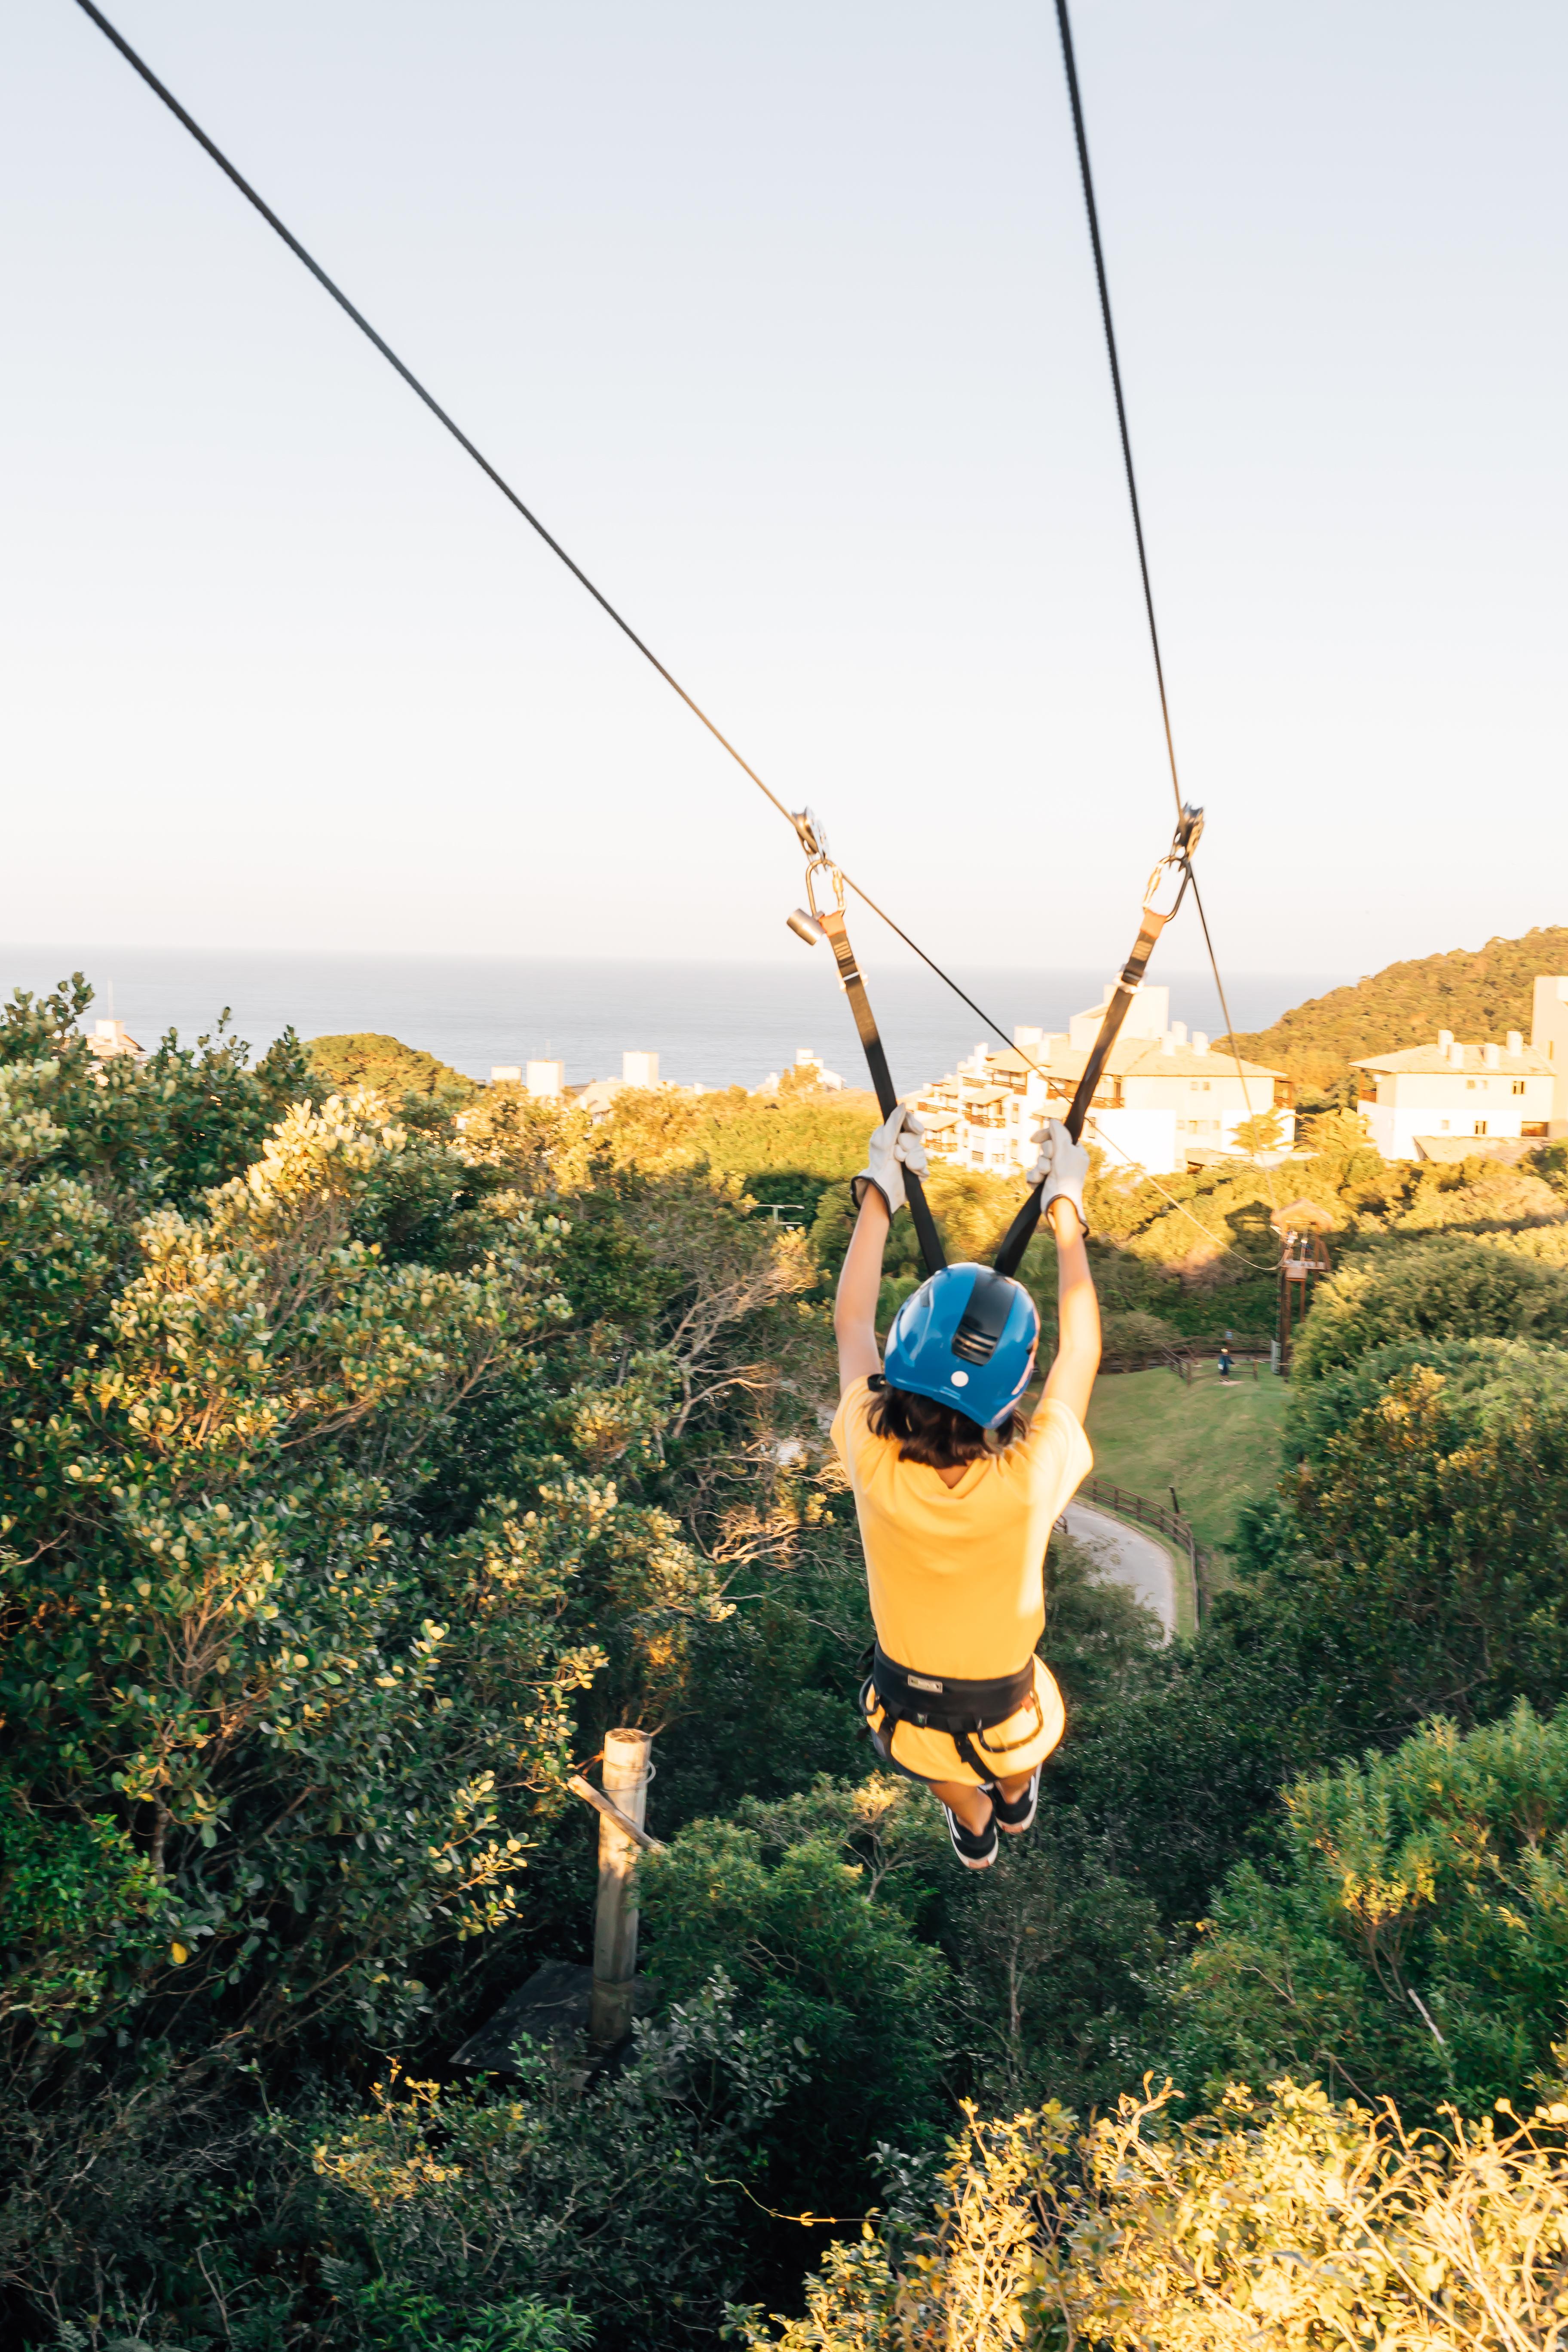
(1009, 1748)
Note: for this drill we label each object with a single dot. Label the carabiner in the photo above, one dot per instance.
(1179, 857)
(814, 841)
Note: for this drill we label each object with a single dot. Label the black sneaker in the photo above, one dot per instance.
(975, 1853)
(1019, 1815)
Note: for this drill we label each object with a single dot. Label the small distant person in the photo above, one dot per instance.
(1225, 1360)
(956, 1494)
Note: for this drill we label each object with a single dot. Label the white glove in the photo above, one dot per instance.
(1062, 1169)
(895, 1145)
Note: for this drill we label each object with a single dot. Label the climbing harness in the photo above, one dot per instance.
(1152, 920)
(811, 923)
(963, 1710)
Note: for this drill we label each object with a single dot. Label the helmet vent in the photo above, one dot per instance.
(975, 1347)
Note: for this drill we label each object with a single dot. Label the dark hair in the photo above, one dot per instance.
(935, 1434)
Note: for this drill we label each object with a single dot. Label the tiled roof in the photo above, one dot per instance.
(1142, 1056)
(1433, 1061)
(1509, 1149)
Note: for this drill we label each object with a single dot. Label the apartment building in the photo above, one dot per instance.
(1426, 1096)
(1549, 1037)
(1165, 1100)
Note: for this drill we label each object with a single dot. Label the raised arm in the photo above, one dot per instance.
(1062, 1167)
(1070, 1379)
(879, 1191)
(855, 1308)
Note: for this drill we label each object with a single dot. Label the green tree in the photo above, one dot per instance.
(369, 1058)
(623, 2200)
(808, 1906)
(1412, 1941)
(1435, 1547)
(1448, 1289)
(1261, 1132)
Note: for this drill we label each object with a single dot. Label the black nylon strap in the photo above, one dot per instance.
(1019, 1233)
(926, 1234)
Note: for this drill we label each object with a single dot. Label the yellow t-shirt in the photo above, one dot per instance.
(957, 1572)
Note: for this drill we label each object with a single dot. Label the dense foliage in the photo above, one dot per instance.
(1412, 1941)
(373, 1448)
(1477, 992)
(368, 1058)
(1284, 2220)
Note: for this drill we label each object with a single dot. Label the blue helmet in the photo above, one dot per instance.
(965, 1338)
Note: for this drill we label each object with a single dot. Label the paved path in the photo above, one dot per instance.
(1132, 1558)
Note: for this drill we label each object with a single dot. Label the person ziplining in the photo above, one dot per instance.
(956, 1492)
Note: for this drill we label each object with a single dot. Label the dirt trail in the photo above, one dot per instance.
(1133, 1559)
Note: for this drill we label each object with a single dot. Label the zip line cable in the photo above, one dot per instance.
(161, 90)
(996, 1029)
(1064, 27)
(230, 171)
(251, 195)
(1069, 62)
(1219, 987)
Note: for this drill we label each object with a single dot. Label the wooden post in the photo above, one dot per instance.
(626, 1774)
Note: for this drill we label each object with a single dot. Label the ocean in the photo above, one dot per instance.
(714, 1023)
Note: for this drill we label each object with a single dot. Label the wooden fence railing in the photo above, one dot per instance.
(1125, 1505)
(1249, 1353)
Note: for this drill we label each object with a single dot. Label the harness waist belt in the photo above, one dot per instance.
(943, 1703)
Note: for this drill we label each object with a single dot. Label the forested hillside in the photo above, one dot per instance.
(370, 1454)
(1480, 992)
(369, 1058)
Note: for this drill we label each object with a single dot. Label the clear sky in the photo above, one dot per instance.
(782, 316)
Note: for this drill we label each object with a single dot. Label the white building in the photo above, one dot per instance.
(1450, 1089)
(110, 1039)
(808, 1067)
(547, 1080)
(638, 1070)
(1548, 1037)
(1163, 1101)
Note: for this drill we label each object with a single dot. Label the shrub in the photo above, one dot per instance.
(1132, 1332)
(1485, 1381)
(626, 2201)
(1434, 1581)
(1285, 2220)
(1449, 1289)
(370, 1059)
(1413, 1941)
(808, 1906)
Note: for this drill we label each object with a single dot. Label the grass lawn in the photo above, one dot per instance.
(1150, 1432)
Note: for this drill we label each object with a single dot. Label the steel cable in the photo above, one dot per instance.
(1064, 27)
(1069, 63)
(180, 115)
